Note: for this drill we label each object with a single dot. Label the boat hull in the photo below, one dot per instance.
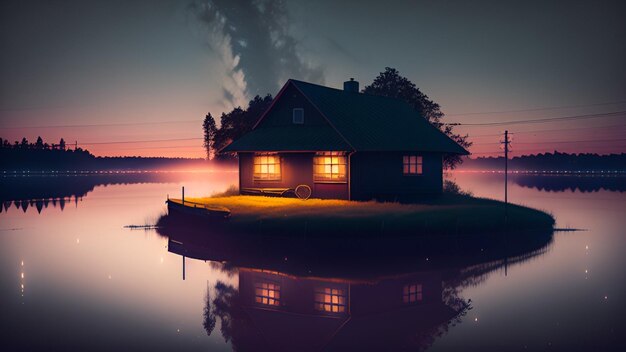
(196, 211)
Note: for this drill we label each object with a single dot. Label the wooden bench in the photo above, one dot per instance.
(277, 192)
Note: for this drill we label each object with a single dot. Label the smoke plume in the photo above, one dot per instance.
(252, 40)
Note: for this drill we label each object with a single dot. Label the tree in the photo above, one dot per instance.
(39, 143)
(210, 130)
(391, 84)
(209, 318)
(62, 144)
(24, 144)
(239, 122)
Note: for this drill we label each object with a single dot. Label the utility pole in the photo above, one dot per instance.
(506, 166)
(506, 143)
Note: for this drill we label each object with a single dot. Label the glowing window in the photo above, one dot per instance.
(330, 300)
(412, 165)
(412, 293)
(298, 116)
(329, 167)
(267, 167)
(267, 293)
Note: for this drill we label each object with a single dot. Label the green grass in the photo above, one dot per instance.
(447, 214)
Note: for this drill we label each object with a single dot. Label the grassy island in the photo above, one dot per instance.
(444, 215)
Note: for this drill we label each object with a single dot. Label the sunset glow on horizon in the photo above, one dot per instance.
(141, 87)
(135, 135)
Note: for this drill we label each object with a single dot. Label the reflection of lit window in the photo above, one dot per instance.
(330, 300)
(329, 166)
(267, 167)
(267, 293)
(412, 165)
(412, 293)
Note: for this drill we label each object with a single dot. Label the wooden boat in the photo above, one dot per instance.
(199, 210)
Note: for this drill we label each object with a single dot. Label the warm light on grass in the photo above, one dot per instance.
(259, 205)
(453, 214)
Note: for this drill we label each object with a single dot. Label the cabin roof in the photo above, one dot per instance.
(357, 122)
(290, 138)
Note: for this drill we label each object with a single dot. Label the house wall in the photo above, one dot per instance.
(296, 169)
(387, 294)
(296, 295)
(379, 175)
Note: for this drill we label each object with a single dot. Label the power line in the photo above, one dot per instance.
(105, 124)
(551, 142)
(453, 124)
(545, 150)
(144, 141)
(535, 109)
(543, 120)
(163, 147)
(552, 130)
(584, 141)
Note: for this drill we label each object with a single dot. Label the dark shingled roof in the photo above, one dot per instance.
(360, 122)
(289, 138)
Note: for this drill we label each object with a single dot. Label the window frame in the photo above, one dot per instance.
(293, 116)
(419, 165)
(272, 294)
(321, 294)
(342, 160)
(417, 295)
(271, 177)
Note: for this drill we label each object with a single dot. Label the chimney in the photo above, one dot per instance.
(351, 86)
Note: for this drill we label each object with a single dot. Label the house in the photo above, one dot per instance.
(283, 312)
(342, 144)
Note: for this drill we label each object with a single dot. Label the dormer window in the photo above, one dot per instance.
(298, 116)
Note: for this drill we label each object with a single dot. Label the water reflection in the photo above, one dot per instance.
(294, 295)
(38, 191)
(68, 257)
(582, 183)
(278, 311)
(38, 204)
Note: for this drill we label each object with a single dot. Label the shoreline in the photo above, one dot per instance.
(445, 215)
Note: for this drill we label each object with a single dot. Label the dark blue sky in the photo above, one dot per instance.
(97, 62)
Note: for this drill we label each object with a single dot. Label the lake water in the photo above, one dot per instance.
(72, 277)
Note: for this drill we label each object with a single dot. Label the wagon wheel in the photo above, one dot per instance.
(303, 192)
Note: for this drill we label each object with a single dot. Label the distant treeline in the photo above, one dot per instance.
(41, 156)
(59, 186)
(551, 161)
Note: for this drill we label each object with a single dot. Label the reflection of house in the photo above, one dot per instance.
(343, 144)
(284, 311)
(295, 313)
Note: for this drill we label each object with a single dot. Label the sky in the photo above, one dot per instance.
(137, 77)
